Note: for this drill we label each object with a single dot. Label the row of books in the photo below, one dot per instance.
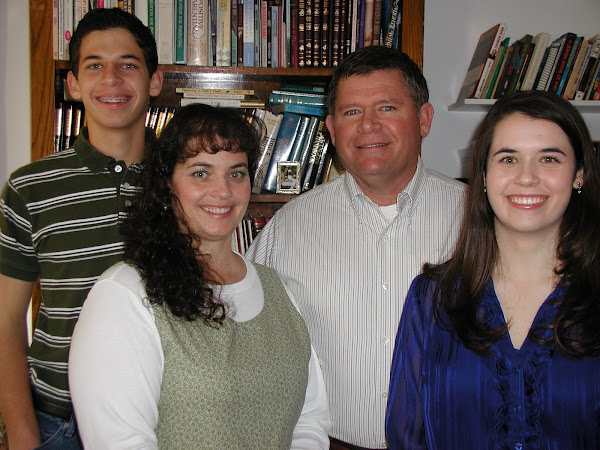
(70, 118)
(568, 65)
(262, 33)
(246, 231)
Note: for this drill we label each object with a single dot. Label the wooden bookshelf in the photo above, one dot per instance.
(262, 79)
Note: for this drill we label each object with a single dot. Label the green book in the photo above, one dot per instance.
(497, 65)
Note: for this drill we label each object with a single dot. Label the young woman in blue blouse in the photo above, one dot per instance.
(499, 347)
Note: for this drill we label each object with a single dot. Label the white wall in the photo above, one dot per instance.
(452, 29)
(15, 111)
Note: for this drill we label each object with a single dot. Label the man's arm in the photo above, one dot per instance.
(16, 404)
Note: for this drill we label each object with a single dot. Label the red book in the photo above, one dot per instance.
(316, 41)
(325, 33)
(308, 33)
(301, 33)
(294, 33)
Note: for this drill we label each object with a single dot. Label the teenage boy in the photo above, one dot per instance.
(59, 221)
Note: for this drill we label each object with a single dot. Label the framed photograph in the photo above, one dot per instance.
(288, 177)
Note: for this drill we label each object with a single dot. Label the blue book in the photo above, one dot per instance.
(279, 108)
(298, 98)
(283, 147)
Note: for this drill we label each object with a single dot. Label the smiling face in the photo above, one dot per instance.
(113, 81)
(213, 192)
(531, 174)
(377, 129)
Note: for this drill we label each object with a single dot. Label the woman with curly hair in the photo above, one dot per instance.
(186, 344)
(500, 347)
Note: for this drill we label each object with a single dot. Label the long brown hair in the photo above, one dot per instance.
(462, 280)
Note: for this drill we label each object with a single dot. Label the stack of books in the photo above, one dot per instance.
(568, 65)
(296, 153)
(259, 33)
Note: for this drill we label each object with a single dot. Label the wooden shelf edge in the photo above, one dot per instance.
(479, 105)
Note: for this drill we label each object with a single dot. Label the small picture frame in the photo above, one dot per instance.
(288, 177)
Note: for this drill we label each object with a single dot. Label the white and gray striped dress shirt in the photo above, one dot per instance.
(350, 269)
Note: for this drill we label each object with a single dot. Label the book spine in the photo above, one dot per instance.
(326, 21)
(165, 32)
(152, 16)
(197, 41)
(248, 33)
(308, 33)
(283, 145)
(299, 109)
(586, 78)
(311, 100)
(360, 36)
(569, 67)
(524, 66)
(299, 139)
(490, 61)
(240, 32)
(233, 35)
(180, 32)
(343, 29)
(141, 11)
(561, 63)
(541, 43)
(276, 32)
(377, 9)
(55, 29)
(316, 40)
(272, 123)
(336, 33)
(301, 33)
(594, 82)
(546, 72)
(294, 29)
(577, 70)
(223, 45)
(369, 16)
(389, 34)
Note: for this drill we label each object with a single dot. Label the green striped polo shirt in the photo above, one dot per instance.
(59, 221)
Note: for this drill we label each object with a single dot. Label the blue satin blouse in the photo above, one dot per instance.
(445, 396)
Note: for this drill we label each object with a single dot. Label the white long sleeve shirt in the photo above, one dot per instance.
(116, 365)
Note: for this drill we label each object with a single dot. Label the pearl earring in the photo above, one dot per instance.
(578, 187)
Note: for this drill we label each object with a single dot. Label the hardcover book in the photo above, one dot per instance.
(481, 62)
(272, 123)
(493, 77)
(577, 69)
(566, 45)
(588, 72)
(283, 146)
(198, 35)
(540, 41)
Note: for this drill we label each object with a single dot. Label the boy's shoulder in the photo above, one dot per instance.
(66, 159)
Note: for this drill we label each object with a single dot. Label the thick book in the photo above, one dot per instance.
(526, 54)
(240, 32)
(248, 33)
(299, 98)
(481, 62)
(326, 21)
(377, 7)
(509, 69)
(301, 33)
(307, 88)
(369, 16)
(223, 44)
(567, 45)
(588, 71)
(300, 139)
(272, 123)
(198, 33)
(594, 84)
(201, 91)
(314, 158)
(311, 133)
(308, 33)
(577, 69)
(164, 41)
(316, 40)
(180, 32)
(152, 16)
(293, 17)
(544, 78)
(519, 62)
(141, 11)
(502, 69)
(283, 146)
(225, 102)
(493, 77)
(233, 34)
(540, 41)
(568, 71)
(280, 108)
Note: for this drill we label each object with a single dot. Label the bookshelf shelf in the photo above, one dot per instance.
(479, 105)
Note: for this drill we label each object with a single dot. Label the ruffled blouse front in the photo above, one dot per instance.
(445, 396)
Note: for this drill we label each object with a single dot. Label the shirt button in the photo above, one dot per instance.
(126, 185)
(385, 340)
(118, 169)
(518, 446)
(386, 287)
(128, 203)
(384, 395)
(386, 236)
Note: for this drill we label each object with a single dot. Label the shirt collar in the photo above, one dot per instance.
(408, 195)
(94, 159)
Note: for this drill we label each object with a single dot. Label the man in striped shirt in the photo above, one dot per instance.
(350, 248)
(59, 220)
